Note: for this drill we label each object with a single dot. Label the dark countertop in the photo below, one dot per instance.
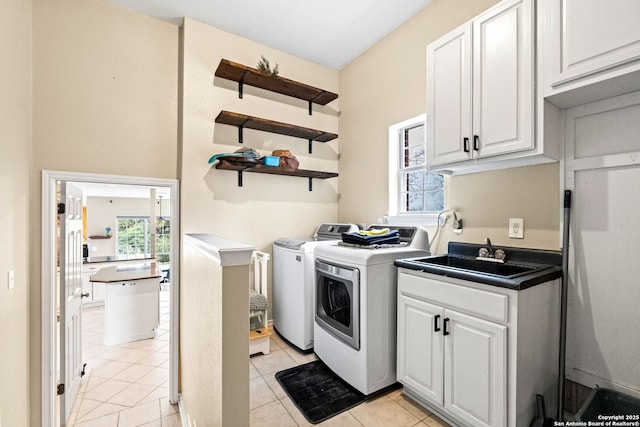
(126, 273)
(114, 258)
(549, 263)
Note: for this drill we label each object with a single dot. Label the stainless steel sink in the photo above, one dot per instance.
(478, 266)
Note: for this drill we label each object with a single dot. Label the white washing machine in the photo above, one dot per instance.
(355, 319)
(293, 275)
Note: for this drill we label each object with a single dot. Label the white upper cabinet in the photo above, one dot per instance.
(449, 99)
(590, 42)
(503, 79)
(480, 91)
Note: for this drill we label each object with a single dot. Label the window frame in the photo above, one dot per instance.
(395, 215)
(147, 234)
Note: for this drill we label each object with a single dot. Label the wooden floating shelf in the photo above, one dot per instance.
(99, 237)
(253, 77)
(243, 121)
(241, 166)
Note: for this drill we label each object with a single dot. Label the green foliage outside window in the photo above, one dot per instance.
(134, 238)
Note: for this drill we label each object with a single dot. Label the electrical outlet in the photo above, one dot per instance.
(516, 228)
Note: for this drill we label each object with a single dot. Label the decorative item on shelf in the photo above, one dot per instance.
(271, 161)
(288, 161)
(246, 154)
(107, 231)
(265, 67)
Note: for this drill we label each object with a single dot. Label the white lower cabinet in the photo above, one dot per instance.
(475, 369)
(476, 354)
(94, 292)
(458, 361)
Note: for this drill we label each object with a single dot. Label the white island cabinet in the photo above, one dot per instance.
(132, 300)
(477, 354)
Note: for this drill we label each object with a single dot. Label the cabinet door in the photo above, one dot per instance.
(591, 36)
(86, 287)
(503, 79)
(420, 352)
(98, 291)
(449, 97)
(475, 369)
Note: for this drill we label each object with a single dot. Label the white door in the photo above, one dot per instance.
(449, 97)
(70, 297)
(503, 79)
(420, 352)
(475, 369)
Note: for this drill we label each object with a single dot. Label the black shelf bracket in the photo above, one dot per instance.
(310, 146)
(310, 184)
(239, 178)
(240, 131)
(311, 101)
(241, 84)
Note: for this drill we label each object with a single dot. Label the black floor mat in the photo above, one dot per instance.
(317, 391)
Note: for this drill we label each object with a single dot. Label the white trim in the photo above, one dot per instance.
(427, 219)
(393, 159)
(48, 253)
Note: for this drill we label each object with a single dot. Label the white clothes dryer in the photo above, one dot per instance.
(356, 301)
(293, 275)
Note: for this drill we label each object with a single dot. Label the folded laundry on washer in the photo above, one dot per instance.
(357, 238)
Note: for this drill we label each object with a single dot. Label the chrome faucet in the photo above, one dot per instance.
(490, 252)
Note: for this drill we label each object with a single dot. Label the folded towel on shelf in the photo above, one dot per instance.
(366, 239)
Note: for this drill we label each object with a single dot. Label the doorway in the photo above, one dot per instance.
(49, 273)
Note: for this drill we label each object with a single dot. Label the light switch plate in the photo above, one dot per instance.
(11, 279)
(516, 228)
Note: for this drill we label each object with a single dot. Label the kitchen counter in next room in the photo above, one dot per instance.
(127, 272)
(116, 258)
(132, 299)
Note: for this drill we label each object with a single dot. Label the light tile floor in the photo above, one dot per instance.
(128, 384)
(271, 407)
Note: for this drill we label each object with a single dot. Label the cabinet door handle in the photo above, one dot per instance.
(446, 322)
(86, 295)
(465, 144)
(436, 328)
(476, 142)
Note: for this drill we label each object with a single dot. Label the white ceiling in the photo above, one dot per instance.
(327, 32)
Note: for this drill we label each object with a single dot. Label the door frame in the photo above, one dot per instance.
(48, 273)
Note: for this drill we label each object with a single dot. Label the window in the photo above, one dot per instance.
(412, 190)
(133, 237)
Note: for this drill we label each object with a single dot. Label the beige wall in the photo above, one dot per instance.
(15, 186)
(266, 207)
(387, 85)
(103, 211)
(105, 101)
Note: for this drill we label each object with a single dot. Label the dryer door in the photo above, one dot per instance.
(338, 301)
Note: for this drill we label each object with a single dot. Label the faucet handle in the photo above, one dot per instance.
(500, 254)
(483, 252)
